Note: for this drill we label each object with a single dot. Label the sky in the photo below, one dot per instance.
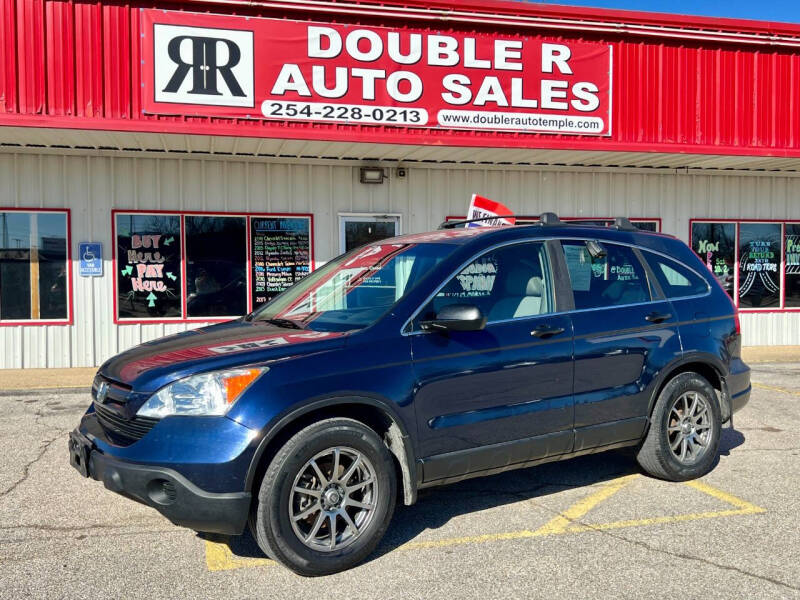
(766, 10)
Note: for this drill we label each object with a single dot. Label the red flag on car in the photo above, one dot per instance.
(492, 213)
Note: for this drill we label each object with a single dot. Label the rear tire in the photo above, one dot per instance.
(683, 439)
(333, 476)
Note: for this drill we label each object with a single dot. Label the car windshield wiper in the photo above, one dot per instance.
(286, 323)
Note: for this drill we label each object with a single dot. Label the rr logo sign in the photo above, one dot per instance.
(195, 65)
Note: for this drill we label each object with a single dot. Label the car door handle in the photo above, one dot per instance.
(657, 317)
(546, 331)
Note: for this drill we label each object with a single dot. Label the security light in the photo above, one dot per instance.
(372, 175)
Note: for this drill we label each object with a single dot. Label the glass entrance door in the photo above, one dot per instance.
(357, 230)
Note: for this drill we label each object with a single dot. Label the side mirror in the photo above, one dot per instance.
(456, 317)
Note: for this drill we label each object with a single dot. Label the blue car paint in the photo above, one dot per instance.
(445, 394)
(212, 452)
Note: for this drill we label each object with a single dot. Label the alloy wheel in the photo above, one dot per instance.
(689, 427)
(333, 499)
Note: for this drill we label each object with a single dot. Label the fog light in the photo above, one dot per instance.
(161, 491)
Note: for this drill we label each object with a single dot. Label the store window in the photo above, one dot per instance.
(791, 245)
(358, 230)
(148, 266)
(615, 279)
(190, 266)
(715, 244)
(216, 266)
(764, 256)
(34, 265)
(281, 251)
(759, 265)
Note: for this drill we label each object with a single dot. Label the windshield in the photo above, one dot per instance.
(355, 289)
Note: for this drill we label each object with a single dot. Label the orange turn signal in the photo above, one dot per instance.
(237, 382)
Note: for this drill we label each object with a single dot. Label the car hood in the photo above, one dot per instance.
(150, 366)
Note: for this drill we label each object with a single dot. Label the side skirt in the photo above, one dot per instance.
(519, 454)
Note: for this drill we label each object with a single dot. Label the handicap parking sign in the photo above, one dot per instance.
(91, 259)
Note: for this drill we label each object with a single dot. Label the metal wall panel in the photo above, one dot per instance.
(91, 185)
(88, 61)
(30, 52)
(60, 28)
(8, 63)
(77, 64)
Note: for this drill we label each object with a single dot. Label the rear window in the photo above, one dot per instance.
(676, 280)
(616, 279)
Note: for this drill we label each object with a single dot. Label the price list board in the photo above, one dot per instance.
(280, 254)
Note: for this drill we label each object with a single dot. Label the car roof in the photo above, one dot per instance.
(483, 235)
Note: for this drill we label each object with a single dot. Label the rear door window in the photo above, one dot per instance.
(616, 279)
(676, 280)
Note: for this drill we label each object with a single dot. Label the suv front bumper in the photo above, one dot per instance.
(166, 490)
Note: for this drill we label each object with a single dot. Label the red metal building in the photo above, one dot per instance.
(246, 117)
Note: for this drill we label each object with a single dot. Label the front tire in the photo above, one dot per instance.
(683, 439)
(326, 498)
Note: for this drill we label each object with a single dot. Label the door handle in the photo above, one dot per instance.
(657, 317)
(546, 331)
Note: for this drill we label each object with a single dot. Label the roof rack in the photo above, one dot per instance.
(624, 224)
(547, 219)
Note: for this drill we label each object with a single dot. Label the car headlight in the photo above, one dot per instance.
(205, 394)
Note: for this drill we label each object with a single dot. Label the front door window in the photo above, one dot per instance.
(511, 282)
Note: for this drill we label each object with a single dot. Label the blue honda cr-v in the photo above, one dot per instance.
(416, 361)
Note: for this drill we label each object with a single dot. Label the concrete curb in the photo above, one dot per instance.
(771, 354)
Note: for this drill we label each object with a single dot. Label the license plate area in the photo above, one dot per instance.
(79, 449)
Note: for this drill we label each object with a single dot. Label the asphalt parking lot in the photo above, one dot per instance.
(591, 527)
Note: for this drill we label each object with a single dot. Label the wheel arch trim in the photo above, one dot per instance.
(397, 435)
(670, 369)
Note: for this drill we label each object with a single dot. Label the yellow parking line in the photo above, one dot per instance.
(578, 510)
(665, 519)
(564, 523)
(471, 539)
(725, 496)
(556, 525)
(220, 558)
(773, 388)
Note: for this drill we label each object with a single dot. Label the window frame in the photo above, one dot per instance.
(784, 308)
(781, 264)
(366, 217)
(562, 289)
(651, 272)
(557, 293)
(69, 320)
(182, 214)
(551, 291)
